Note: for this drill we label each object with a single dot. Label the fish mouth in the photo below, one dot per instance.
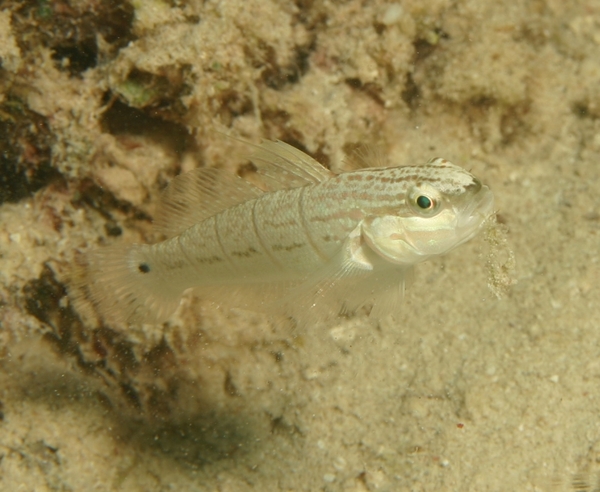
(479, 209)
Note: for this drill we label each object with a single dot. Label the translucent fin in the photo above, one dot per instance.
(366, 156)
(383, 290)
(345, 293)
(113, 280)
(258, 297)
(195, 196)
(323, 294)
(329, 297)
(283, 166)
(332, 291)
(318, 297)
(356, 278)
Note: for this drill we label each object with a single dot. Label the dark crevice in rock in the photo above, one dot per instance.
(71, 31)
(121, 119)
(25, 152)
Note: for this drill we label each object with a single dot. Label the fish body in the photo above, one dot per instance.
(314, 242)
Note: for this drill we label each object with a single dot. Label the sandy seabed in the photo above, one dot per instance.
(101, 103)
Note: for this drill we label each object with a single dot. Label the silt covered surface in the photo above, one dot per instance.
(101, 104)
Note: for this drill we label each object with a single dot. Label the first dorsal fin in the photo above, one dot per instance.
(195, 196)
(283, 166)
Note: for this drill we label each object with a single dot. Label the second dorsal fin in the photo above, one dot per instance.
(197, 195)
(283, 166)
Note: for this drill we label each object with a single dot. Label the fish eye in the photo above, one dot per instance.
(424, 202)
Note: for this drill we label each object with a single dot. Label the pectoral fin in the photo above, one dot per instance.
(353, 278)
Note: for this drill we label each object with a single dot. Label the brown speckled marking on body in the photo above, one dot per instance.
(248, 253)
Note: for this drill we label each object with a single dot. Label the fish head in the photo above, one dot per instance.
(443, 207)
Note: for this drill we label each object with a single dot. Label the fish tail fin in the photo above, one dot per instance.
(122, 285)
